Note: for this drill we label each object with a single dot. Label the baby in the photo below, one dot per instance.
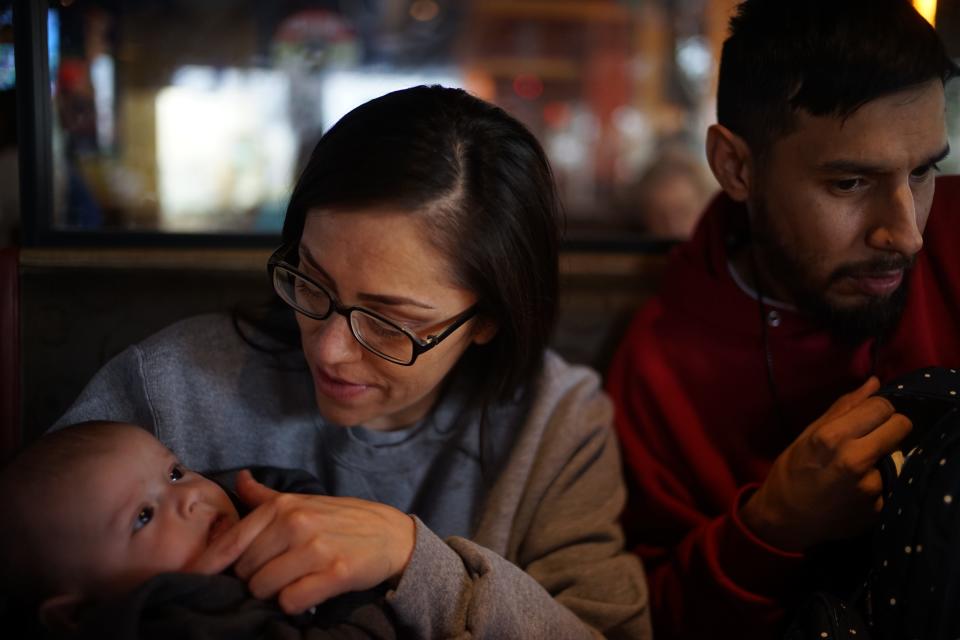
(94, 511)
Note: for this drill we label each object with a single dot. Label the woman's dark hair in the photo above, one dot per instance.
(825, 57)
(484, 189)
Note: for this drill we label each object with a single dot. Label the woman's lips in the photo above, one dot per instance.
(879, 284)
(336, 388)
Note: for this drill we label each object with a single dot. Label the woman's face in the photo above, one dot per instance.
(379, 259)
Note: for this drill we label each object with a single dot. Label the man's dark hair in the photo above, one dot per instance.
(824, 57)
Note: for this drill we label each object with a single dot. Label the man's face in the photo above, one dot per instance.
(839, 206)
(131, 513)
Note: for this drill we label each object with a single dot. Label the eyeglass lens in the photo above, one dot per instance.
(375, 334)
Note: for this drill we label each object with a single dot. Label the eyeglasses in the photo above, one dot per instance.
(379, 335)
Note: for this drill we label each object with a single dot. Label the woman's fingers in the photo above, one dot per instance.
(226, 549)
(313, 589)
(314, 566)
(306, 549)
(274, 540)
(251, 491)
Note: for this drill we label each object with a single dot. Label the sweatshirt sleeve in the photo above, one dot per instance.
(117, 392)
(571, 577)
(708, 573)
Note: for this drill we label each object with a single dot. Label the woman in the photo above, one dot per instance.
(419, 260)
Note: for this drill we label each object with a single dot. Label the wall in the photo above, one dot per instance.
(81, 307)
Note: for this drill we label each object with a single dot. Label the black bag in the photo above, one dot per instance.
(912, 588)
(826, 616)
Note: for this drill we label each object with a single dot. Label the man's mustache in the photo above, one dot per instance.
(868, 268)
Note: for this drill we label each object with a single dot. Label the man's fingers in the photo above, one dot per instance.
(848, 401)
(228, 547)
(886, 438)
(857, 422)
(871, 484)
(251, 491)
(858, 457)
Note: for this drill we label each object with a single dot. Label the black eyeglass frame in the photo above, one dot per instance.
(420, 346)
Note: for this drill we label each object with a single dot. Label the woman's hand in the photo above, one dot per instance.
(304, 549)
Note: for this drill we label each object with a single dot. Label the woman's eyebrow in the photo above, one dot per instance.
(392, 300)
(380, 298)
(309, 259)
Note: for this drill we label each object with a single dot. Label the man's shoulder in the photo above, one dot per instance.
(943, 211)
(948, 187)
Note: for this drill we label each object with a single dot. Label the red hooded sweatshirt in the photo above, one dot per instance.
(700, 428)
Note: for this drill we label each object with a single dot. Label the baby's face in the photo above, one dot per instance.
(135, 512)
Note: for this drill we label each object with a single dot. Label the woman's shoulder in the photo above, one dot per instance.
(560, 378)
(212, 344)
(569, 398)
(209, 330)
(210, 334)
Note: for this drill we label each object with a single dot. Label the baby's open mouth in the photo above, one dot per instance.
(218, 527)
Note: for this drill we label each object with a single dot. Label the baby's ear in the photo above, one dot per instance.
(61, 613)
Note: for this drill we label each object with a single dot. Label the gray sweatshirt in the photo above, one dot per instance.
(517, 531)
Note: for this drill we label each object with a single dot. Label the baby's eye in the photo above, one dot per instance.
(176, 473)
(143, 518)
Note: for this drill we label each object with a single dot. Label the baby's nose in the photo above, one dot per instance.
(190, 502)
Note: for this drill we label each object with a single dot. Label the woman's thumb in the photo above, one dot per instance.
(251, 491)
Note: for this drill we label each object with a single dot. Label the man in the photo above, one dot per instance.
(804, 280)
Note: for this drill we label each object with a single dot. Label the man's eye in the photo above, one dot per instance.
(176, 473)
(143, 518)
(924, 171)
(850, 184)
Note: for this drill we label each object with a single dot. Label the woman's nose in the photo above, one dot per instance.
(331, 341)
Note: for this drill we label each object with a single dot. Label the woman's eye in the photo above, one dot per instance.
(176, 473)
(143, 518)
(304, 289)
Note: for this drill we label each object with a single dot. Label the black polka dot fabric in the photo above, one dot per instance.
(914, 587)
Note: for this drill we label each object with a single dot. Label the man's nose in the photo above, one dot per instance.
(898, 226)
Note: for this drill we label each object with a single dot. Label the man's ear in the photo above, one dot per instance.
(731, 161)
(484, 331)
(61, 613)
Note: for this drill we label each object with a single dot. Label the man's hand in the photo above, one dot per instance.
(825, 485)
(304, 549)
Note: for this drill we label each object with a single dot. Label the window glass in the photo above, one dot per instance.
(187, 116)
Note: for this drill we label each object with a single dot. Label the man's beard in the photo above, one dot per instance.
(874, 318)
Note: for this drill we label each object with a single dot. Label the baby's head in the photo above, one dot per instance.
(93, 510)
